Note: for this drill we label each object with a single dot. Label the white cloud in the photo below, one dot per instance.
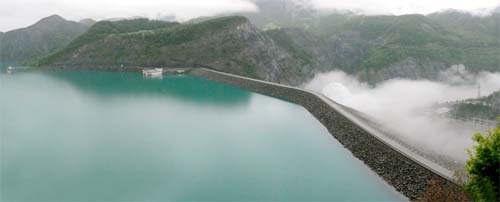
(403, 105)
(21, 13)
(399, 7)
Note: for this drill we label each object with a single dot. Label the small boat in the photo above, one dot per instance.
(10, 69)
(152, 72)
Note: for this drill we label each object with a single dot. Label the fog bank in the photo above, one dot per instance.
(401, 7)
(404, 106)
(22, 13)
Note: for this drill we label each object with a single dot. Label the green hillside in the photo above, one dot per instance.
(291, 41)
(230, 44)
(384, 41)
(377, 48)
(487, 108)
(102, 30)
(44, 37)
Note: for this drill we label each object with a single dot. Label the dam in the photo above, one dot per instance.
(114, 136)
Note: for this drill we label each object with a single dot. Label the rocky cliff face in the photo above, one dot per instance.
(229, 44)
(410, 68)
(374, 48)
(44, 37)
(378, 48)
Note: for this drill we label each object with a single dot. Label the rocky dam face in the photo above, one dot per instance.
(118, 136)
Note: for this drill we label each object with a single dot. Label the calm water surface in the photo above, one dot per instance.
(94, 136)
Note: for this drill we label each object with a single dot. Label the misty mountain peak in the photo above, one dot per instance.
(283, 5)
(43, 37)
(51, 19)
(87, 21)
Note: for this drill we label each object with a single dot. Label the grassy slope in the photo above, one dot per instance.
(102, 30)
(40, 39)
(352, 43)
(217, 42)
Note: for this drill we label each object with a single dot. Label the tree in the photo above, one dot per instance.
(484, 166)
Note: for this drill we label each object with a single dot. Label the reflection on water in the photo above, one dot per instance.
(110, 84)
(91, 136)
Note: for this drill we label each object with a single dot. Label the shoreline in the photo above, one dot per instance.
(408, 173)
(401, 168)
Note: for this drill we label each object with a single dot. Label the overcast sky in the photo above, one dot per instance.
(21, 13)
(399, 7)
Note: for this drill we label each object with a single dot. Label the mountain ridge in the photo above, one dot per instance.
(373, 48)
(380, 47)
(229, 44)
(42, 38)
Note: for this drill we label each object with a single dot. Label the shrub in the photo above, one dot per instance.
(484, 167)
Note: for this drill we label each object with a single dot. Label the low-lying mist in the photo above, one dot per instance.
(404, 106)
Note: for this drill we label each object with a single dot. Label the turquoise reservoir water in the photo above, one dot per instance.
(94, 136)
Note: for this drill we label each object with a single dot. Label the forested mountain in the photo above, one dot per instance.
(286, 41)
(230, 44)
(411, 46)
(44, 37)
(380, 47)
(487, 108)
